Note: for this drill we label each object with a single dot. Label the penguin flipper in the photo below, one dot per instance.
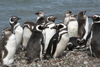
(54, 46)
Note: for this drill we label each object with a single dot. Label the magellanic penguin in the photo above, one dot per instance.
(67, 17)
(83, 25)
(49, 31)
(8, 45)
(40, 17)
(58, 42)
(17, 29)
(27, 32)
(74, 44)
(94, 36)
(72, 26)
(34, 47)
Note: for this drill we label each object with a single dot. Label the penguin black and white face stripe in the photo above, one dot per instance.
(61, 26)
(96, 18)
(40, 13)
(40, 28)
(68, 13)
(13, 20)
(51, 18)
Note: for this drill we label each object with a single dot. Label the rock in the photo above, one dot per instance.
(85, 62)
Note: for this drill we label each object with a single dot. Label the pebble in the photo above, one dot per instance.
(85, 62)
(68, 59)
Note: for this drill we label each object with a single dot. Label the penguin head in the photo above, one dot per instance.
(82, 14)
(61, 26)
(68, 13)
(70, 46)
(13, 20)
(40, 13)
(40, 28)
(51, 18)
(81, 41)
(95, 17)
(73, 16)
(6, 31)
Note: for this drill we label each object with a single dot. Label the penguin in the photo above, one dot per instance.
(58, 42)
(34, 47)
(17, 29)
(27, 32)
(74, 44)
(72, 26)
(40, 17)
(83, 25)
(49, 31)
(67, 16)
(8, 46)
(94, 36)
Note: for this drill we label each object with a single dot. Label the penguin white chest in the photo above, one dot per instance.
(62, 44)
(26, 35)
(48, 35)
(11, 48)
(73, 28)
(18, 34)
(66, 20)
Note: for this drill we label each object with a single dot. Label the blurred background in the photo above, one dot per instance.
(26, 9)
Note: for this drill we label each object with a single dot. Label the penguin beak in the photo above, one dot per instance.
(70, 12)
(36, 13)
(19, 18)
(55, 18)
(90, 16)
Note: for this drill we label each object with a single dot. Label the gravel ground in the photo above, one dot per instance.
(75, 58)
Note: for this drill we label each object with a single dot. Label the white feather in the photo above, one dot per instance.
(73, 28)
(86, 28)
(26, 35)
(11, 48)
(48, 34)
(18, 33)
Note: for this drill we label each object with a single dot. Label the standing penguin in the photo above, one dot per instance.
(82, 25)
(27, 32)
(72, 26)
(67, 17)
(8, 46)
(41, 18)
(49, 31)
(34, 47)
(94, 36)
(58, 42)
(17, 29)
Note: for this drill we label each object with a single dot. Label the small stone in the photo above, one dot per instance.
(85, 62)
(14, 66)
